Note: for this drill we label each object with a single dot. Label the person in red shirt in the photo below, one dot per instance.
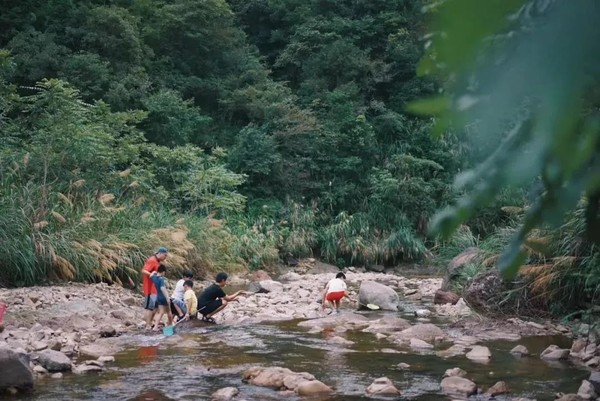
(151, 266)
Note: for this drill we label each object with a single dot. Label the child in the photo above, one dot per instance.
(178, 307)
(162, 296)
(191, 302)
(335, 290)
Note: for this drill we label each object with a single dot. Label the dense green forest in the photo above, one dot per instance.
(238, 133)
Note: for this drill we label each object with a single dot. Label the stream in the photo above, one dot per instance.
(202, 359)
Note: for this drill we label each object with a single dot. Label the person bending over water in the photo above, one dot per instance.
(335, 290)
(213, 299)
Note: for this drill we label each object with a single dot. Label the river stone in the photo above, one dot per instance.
(479, 353)
(311, 387)
(323, 268)
(520, 350)
(267, 377)
(385, 297)
(456, 264)
(595, 380)
(387, 324)
(260, 275)
(265, 286)
(569, 397)
(422, 313)
(423, 331)
(14, 370)
(455, 372)
(376, 268)
(382, 385)
(586, 390)
(85, 368)
(454, 350)
(458, 387)
(497, 389)
(445, 297)
(554, 353)
(54, 361)
(290, 277)
(417, 344)
(291, 381)
(225, 394)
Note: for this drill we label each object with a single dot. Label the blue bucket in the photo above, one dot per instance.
(168, 330)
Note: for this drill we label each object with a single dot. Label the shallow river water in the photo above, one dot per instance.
(158, 370)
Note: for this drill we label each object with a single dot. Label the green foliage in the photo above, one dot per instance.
(506, 85)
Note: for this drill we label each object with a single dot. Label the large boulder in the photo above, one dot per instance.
(323, 268)
(312, 387)
(54, 361)
(385, 297)
(555, 353)
(14, 370)
(458, 387)
(265, 286)
(457, 263)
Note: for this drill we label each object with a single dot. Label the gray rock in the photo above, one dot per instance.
(554, 353)
(455, 372)
(265, 286)
(497, 389)
(479, 353)
(323, 268)
(376, 268)
(311, 387)
(107, 331)
(594, 379)
(382, 385)
(520, 350)
(417, 344)
(225, 394)
(459, 387)
(422, 331)
(385, 297)
(14, 370)
(54, 361)
(587, 391)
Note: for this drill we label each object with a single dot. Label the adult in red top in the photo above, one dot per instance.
(151, 266)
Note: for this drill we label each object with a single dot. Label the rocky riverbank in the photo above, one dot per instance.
(79, 328)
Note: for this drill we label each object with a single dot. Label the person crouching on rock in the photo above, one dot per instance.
(177, 303)
(162, 296)
(335, 290)
(213, 299)
(191, 302)
(150, 267)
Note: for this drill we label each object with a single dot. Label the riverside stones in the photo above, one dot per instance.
(279, 378)
(54, 361)
(554, 353)
(479, 353)
(225, 394)
(14, 370)
(455, 372)
(520, 350)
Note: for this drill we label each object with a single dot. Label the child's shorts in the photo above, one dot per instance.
(150, 302)
(181, 306)
(335, 296)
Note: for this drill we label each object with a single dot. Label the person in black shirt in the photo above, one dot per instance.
(213, 299)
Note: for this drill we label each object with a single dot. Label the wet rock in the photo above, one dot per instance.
(403, 366)
(57, 375)
(422, 313)
(520, 350)
(479, 353)
(387, 324)
(454, 350)
(54, 361)
(340, 340)
(98, 349)
(312, 387)
(385, 297)
(497, 389)
(455, 372)
(106, 358)
(14, 370)
(343, 320)
(85, 368)
(587, 391)
(458, 387)
(445, 297)
(274, 377)
(423, 331)
(382, 385)
(583, 349)
(225, 394)
(417, 344)
(554, 353)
